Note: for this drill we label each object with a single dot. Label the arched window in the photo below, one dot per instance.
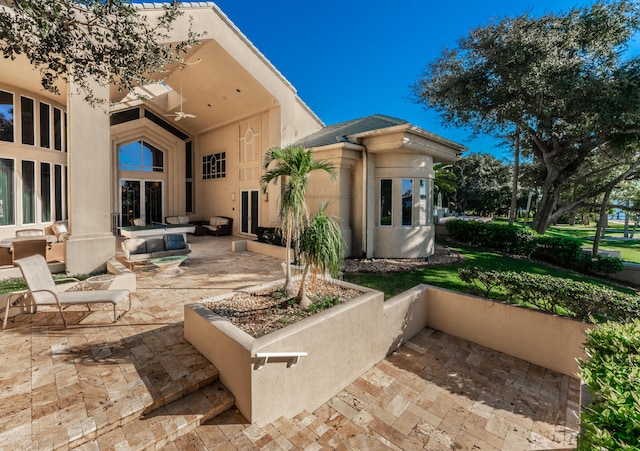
(140, 156)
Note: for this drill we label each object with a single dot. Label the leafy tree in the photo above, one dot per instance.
(84, 40)
(483, 184)
(559, 78)
(293, 166)
(321, 248)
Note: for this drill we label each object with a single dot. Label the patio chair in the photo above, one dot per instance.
(43, 290)
(25, 247)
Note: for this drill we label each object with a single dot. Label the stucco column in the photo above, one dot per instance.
(90, 242)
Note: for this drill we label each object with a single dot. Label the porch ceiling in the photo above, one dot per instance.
(217, 90)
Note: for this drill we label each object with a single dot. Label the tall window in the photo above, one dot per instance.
(188, 157)
(45, 125)
(45, 192)
(214, 166)
(57, 129)
(385, 202)
(7, 195)
(28, 126)
(423, 216)
(28, 192)
(59, 192)
(140, 156)
(407, 202)
(6, 116)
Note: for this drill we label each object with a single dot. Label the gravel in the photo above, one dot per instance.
(260, 312)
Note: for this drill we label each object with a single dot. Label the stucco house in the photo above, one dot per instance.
(64, 161)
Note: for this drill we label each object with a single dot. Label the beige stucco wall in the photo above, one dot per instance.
(90, 243)
(396, 240)
(547, 340)
(343, 342)
(329, 366)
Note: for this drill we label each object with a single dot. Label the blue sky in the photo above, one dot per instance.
(354, 58)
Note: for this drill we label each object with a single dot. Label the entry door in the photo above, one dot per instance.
(249, 219)
(141, 199)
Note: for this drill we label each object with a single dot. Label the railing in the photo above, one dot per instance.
(290, 357)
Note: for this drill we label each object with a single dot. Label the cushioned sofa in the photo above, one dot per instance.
(142, 249)
(219, 225)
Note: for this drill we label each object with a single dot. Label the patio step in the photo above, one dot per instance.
(167, 423)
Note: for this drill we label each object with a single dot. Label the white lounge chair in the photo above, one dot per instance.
(43, 290)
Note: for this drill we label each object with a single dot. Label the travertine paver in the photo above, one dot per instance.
(59, 387)
(436, 392)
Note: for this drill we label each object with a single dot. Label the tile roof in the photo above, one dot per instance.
(336, 133)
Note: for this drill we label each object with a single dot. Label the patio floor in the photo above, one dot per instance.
(63, 388)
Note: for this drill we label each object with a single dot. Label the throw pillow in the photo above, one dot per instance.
(174, 241)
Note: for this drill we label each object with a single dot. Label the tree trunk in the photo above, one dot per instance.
(602, 221)
(543, 217)
(514, 183)
(302, 297)
(526, 216)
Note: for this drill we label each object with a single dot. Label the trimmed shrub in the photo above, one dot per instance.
(501, 237)
(561, 251)
(516, 240)
(604, 265)
(612, 374)
(581, 300)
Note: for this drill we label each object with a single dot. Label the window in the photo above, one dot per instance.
(6, 116)
(423, 213)
(45, 192)
(385, 202)
(59, 194)
(28, 192)
(7, 197)
(45, 125)
(214, 166)
(188, 157)
(28, 125)
(57, 129)
(140, 156)
(407, 202)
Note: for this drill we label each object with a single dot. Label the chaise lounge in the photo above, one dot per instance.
(43, 290)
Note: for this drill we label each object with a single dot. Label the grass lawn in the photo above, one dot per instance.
(447, 276)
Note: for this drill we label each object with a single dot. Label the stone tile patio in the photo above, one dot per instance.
(98, 385)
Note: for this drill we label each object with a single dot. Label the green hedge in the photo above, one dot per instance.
(501, 237)
(516, 240)
(612, 373)
(581, 300)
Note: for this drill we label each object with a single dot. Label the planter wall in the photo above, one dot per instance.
(547, 340)
(343, 342)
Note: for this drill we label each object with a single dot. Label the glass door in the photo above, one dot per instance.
(249, 209)
(140, 199)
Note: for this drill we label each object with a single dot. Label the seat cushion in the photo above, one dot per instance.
(218, 221)
(155, 245)
(174, 241)
(135, 245)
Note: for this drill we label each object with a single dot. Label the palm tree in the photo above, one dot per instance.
(321, 249)
(293, 165)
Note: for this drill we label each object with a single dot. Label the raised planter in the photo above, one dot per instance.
(324, 353)
(283, 386)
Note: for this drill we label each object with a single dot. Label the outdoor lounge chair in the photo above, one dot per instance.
(42, 289)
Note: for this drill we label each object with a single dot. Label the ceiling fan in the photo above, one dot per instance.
(180, 114)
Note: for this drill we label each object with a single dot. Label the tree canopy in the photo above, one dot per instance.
(84, 40)
(560, 78)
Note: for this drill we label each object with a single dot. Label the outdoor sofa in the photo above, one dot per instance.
(145, 248)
